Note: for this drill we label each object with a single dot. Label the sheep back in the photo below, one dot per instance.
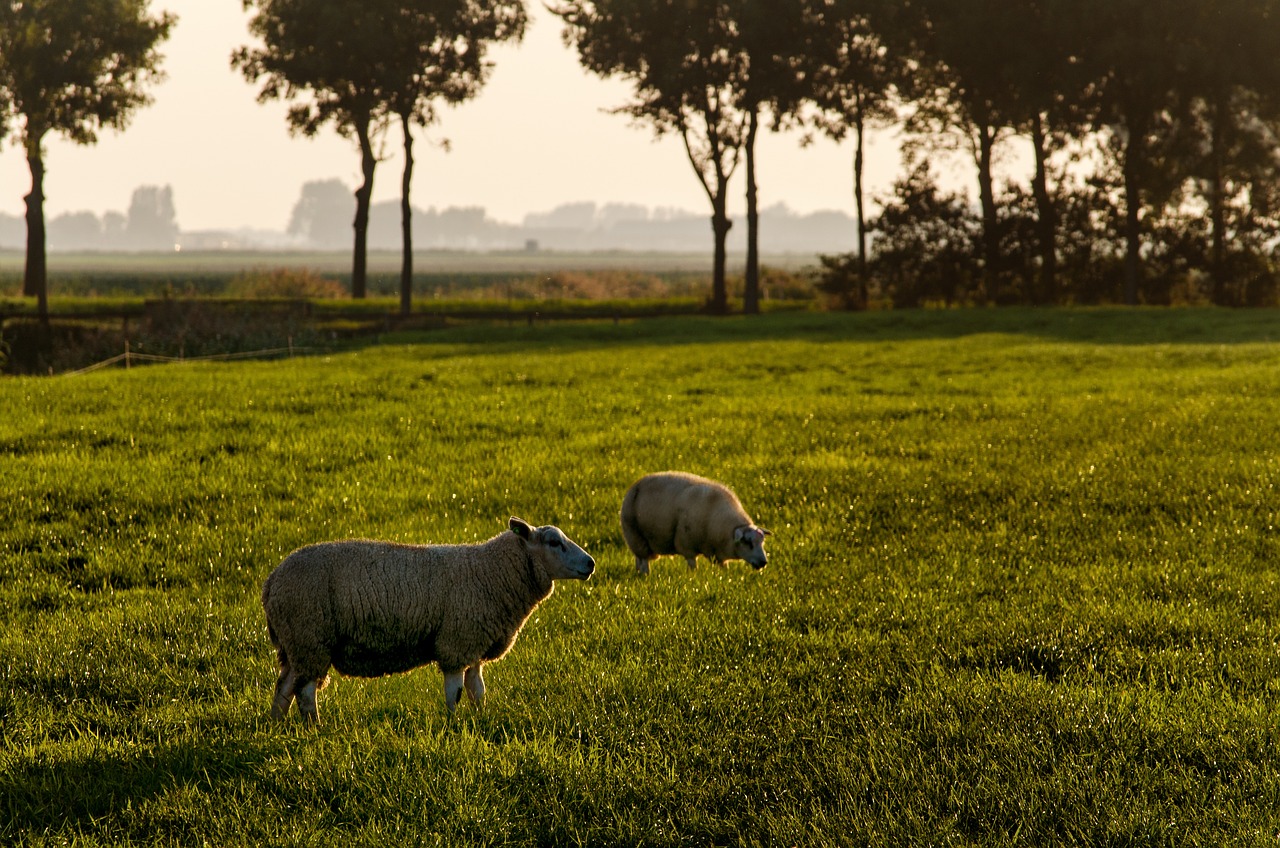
(373, 608)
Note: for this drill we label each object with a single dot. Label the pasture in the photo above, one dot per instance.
(1023, 587)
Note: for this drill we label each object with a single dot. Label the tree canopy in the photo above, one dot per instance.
(72, 69)
(358, 65)
(684, 62)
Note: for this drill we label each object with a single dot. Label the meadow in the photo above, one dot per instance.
(1022, 587)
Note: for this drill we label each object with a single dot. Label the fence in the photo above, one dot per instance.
(129, 357)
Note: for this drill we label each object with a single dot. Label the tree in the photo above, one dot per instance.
(329, 56)
(435, 54)
(72, 68)
(152, 223)
(924, 241)
(1138, 74)
(775, 40)
(1049, 105)
(1232, 75)
(322, 214)
(682, 58)
(852, 74)
(968, 89)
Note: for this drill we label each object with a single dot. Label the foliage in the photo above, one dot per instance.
(325, 58)
(72, 68)
(284, 282)
(924, 244)
(687, 68)
(1022, 587)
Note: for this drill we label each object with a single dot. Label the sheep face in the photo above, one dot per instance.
(559, 555)
(748, 545)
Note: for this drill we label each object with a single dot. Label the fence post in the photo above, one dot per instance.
(126, 354)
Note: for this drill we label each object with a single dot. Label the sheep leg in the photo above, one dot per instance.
(692, 560)
(307, 702)
(474, 681)
(642, 565)
(284, 693)
(452, 689)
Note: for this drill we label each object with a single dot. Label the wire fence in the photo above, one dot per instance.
(129, 357)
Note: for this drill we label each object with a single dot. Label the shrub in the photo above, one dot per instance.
(284, 282)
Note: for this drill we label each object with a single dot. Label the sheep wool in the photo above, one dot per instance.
(369, 608)
(677, 513)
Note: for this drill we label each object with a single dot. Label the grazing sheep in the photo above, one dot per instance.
(373, 608)
(678, 513)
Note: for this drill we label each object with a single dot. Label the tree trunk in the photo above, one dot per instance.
(1046, 216)
(751, 278)
(1132, 216)
(860, 203)
(406, 221)
(990, 233)
(35, 277)
(364, 195)
(708, 166)
(720, 226)
(1217, 204)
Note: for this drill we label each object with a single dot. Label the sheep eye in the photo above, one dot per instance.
(554, 542)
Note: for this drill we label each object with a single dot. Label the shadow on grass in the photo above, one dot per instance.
(84, 793)
(1102, 325)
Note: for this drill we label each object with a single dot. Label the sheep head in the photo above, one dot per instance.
(748, 545)
(561, 558)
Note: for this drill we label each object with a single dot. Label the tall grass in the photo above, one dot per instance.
(1023, 587)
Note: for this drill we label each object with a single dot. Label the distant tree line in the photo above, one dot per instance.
(150, 224)
(322, 218)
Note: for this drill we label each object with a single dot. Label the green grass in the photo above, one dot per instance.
(1023, 587)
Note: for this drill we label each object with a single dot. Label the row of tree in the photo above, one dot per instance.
(1151, 124)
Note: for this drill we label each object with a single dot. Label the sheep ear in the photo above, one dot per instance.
(764, 531)
(521, 528)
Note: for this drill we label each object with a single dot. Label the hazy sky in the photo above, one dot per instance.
(538, 135)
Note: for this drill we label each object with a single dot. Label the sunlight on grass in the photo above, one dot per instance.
(1023, 587)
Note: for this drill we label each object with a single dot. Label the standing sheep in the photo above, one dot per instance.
(373, 608)
(678, 513)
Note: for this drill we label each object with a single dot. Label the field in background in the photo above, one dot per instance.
(226, 303)
(1023, 587)
(381, 262)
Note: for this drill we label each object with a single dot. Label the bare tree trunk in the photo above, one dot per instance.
(720, 226)
(751, 281)
(860, 203)
(1217, 204)
(712, 168)
(1046, 216)
(1132, 219)
(35, 277)
(990, 224)
(406, 220)
(364, 195)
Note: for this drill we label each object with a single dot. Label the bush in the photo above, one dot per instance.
(285, 282)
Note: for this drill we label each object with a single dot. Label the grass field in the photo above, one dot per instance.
(1023, 587)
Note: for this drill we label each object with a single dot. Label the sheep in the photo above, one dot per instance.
(369, 608)
(678, 513)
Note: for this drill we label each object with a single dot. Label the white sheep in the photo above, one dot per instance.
(373, 608)
(677, 513)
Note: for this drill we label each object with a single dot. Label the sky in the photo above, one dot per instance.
(539, 135)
